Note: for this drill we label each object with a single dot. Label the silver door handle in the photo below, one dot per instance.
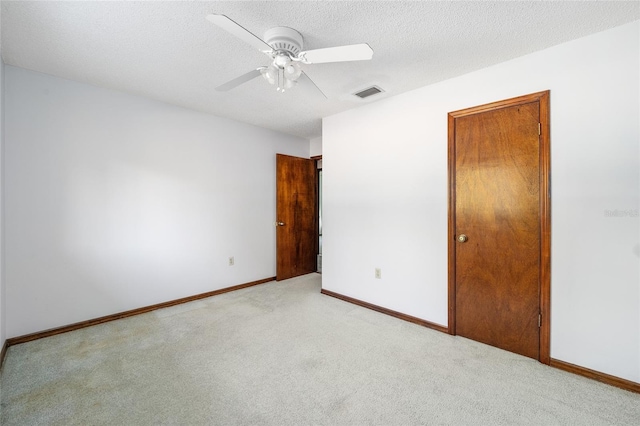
(279, 223)
(462, 238)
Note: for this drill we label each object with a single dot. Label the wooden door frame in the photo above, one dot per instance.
(318, 158)
(545, 212)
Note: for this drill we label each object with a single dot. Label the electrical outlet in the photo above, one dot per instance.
(232, 261)
(378, 273)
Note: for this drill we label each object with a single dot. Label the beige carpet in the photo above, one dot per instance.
(283, 354)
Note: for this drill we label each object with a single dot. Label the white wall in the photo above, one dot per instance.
(385, 194)
(315, 147)
(114, 202)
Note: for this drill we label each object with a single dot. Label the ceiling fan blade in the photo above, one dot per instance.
(305, 80)
(242, 33)
(352, 52)
(239, 80)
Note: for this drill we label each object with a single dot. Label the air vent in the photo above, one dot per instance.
(373, 90)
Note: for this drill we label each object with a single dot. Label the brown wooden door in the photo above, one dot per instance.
(498, 207)
(297, 218)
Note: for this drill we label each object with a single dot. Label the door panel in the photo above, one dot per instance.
(296, 212)
(496, 203)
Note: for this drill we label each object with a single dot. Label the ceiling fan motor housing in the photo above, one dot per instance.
(284, 39)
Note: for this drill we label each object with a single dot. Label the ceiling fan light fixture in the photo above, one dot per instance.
(282, 60)
(293, 71)
(270, 74)
(282, 78)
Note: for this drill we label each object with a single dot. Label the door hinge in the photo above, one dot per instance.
(539, 320)
(539, 129)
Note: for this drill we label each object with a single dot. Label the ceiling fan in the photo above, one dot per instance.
(284, 46)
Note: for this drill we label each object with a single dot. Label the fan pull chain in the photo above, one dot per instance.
(280, 80)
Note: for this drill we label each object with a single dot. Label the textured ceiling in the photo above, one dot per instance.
(168, 51)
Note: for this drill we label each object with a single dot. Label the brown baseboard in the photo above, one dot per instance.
(596, 375)
(575, 369)
(561, 365)
(3, 352)
(382, 310)
(125, 314)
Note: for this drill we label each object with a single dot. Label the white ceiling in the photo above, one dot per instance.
(168, 51)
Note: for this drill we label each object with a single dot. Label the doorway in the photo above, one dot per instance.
(296, 216)
(499, 225)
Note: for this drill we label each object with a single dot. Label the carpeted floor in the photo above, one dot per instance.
(283, 354)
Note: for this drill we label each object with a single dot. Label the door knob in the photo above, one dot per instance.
(279, 223)
(462, 238)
